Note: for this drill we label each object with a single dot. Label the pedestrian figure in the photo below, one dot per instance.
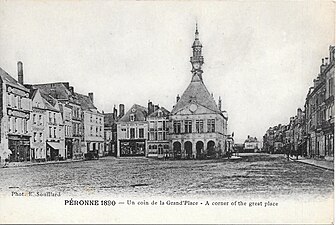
(6, 162)
(6, 154)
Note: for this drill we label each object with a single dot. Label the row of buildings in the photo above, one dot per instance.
(310, 132)
(41, 122)
(196, 127)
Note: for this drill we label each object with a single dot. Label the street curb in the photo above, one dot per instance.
(41, 164)
(321, 167)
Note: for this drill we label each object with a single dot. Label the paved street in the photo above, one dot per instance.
(252, 175)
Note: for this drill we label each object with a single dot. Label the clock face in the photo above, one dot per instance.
(193, 107)
(196, 65)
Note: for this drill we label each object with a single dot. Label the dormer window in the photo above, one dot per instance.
(159, 114)
(132, 117)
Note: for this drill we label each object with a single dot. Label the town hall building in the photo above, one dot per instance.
(198, 125)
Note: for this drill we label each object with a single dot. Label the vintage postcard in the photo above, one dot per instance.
(166, 112)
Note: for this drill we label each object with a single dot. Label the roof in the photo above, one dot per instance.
(48, 105)
(155, 114)
(32, 93)
(196, 92)
(9, 79)
(109, 119)
(85, 101)
(251, 139)
(59, 90)
(139, 111)
(48, 101)
(197, 43)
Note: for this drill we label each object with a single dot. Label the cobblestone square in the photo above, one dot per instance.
(252, 175)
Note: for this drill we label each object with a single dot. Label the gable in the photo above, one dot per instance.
(85, 102)
(38, 101)
(187, 110)
(6, 78)
(138, 112)
(48, 106)
(196, 93)
(159, 113)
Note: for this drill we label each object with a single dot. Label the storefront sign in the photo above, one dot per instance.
(18, 114)
(17, 91)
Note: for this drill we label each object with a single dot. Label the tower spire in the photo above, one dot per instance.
(196, 32)
(197, 59)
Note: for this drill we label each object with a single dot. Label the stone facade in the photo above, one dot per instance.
(55, 139)
(251, 144)
(16, 107)
(310, 133)
(38, 122)
(132, 131)
(158, 127)
(198, 125)
(320, 110)
(92, 125)
(66, 112)
(110, 130)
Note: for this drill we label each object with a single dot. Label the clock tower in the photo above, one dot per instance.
(198, 126)
(197, 59)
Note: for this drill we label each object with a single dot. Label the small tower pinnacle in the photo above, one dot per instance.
(197, 59)
(196, 32)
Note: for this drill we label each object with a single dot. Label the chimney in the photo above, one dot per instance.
(72, 90)
(91, 96)
(326, 61)
(332, 53)
(114, 112)
(177, 98)
(323, 66)
(150, 105)
(299, 113)
(315, 82)
(66, 84)
(20, 72)
(220, 103)
(121, 110)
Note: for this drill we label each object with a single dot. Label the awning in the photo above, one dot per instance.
(54, 145)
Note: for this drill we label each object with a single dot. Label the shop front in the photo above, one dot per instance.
(20, 147)
(53, 151)
(132, 147)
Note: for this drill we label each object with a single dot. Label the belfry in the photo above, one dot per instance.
(199, 127)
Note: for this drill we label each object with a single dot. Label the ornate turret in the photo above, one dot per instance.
(197, 59)
(196, 92)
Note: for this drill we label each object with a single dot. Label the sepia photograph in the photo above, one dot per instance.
(167, 112)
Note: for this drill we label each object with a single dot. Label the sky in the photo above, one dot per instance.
(260, 56)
